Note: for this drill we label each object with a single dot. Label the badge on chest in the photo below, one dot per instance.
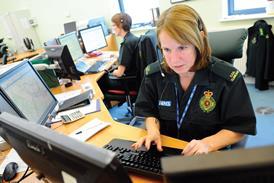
(207, 103)
(165, 103)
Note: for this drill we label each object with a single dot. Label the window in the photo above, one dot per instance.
(244, 9)
(141, 11)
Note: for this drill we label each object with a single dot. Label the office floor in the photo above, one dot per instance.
(263, 104)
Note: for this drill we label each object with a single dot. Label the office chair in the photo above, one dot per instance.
(145, 54)
(227, 45)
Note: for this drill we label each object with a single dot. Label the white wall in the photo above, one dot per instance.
(211, 12)
(52, 14)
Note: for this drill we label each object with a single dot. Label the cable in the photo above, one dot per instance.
(159, 61)
(25, 175)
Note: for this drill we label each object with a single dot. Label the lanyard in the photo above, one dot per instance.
(179, 121)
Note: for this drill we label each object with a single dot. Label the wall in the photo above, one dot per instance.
(52, 14)
(211, 12)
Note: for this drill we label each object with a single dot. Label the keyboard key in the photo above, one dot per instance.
(141, 161)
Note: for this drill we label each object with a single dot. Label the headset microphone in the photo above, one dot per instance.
(159, 61)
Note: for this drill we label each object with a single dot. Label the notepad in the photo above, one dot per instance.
(89, 129)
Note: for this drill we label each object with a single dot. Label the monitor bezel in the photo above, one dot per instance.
(84, 46)
(47, 114)
(238, 164)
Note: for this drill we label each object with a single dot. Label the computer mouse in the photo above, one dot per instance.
(10, 171)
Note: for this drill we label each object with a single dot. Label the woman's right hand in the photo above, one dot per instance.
(152, 137)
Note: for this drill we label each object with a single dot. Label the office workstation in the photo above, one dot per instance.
(83, 55)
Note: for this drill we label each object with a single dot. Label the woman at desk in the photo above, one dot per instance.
(195, 97)
(121, 24)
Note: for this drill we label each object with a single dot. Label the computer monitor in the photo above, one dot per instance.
(242, 165)
(93, 38)
(71, 40)
(60, 158)
(70, 27)
(65, 61)
(99, 21)
(24, 93)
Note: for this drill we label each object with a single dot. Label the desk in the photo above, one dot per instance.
(116, 130)
(20, 56)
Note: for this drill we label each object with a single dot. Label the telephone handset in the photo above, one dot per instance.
(29, 44)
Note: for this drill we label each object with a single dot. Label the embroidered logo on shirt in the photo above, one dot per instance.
(165, 103)
(207, 102)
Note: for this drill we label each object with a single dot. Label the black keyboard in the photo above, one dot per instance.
(141, 161)
(96, 67)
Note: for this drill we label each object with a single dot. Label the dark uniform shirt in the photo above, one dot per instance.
(128, 53)
(220, 101)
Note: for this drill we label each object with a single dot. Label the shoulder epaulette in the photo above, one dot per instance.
(225, 70)
(152, 68)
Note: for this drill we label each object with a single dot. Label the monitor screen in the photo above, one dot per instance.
(60, 158)
(26, 92)
(70, 27)
(99, 21)
(63, 56)
(73, 44)
(93, 38)
(242, 165)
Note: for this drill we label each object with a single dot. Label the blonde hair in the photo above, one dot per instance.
(185, 25)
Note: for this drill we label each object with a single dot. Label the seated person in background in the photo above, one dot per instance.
(196, 97)
(121, 24)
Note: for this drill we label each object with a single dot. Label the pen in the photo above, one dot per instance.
(81, 131)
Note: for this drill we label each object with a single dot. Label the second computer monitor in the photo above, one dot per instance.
(62, 55)
(23, 92)
(71, 40)
(93, 38)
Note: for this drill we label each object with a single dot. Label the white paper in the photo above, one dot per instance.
(89, 129)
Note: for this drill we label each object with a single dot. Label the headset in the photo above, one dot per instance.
(28, 43)
(126, 21)
(159, 60)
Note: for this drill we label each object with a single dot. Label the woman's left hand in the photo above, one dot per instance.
(196, 147)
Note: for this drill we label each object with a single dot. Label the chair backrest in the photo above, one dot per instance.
(147, 47)
(227, 45)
